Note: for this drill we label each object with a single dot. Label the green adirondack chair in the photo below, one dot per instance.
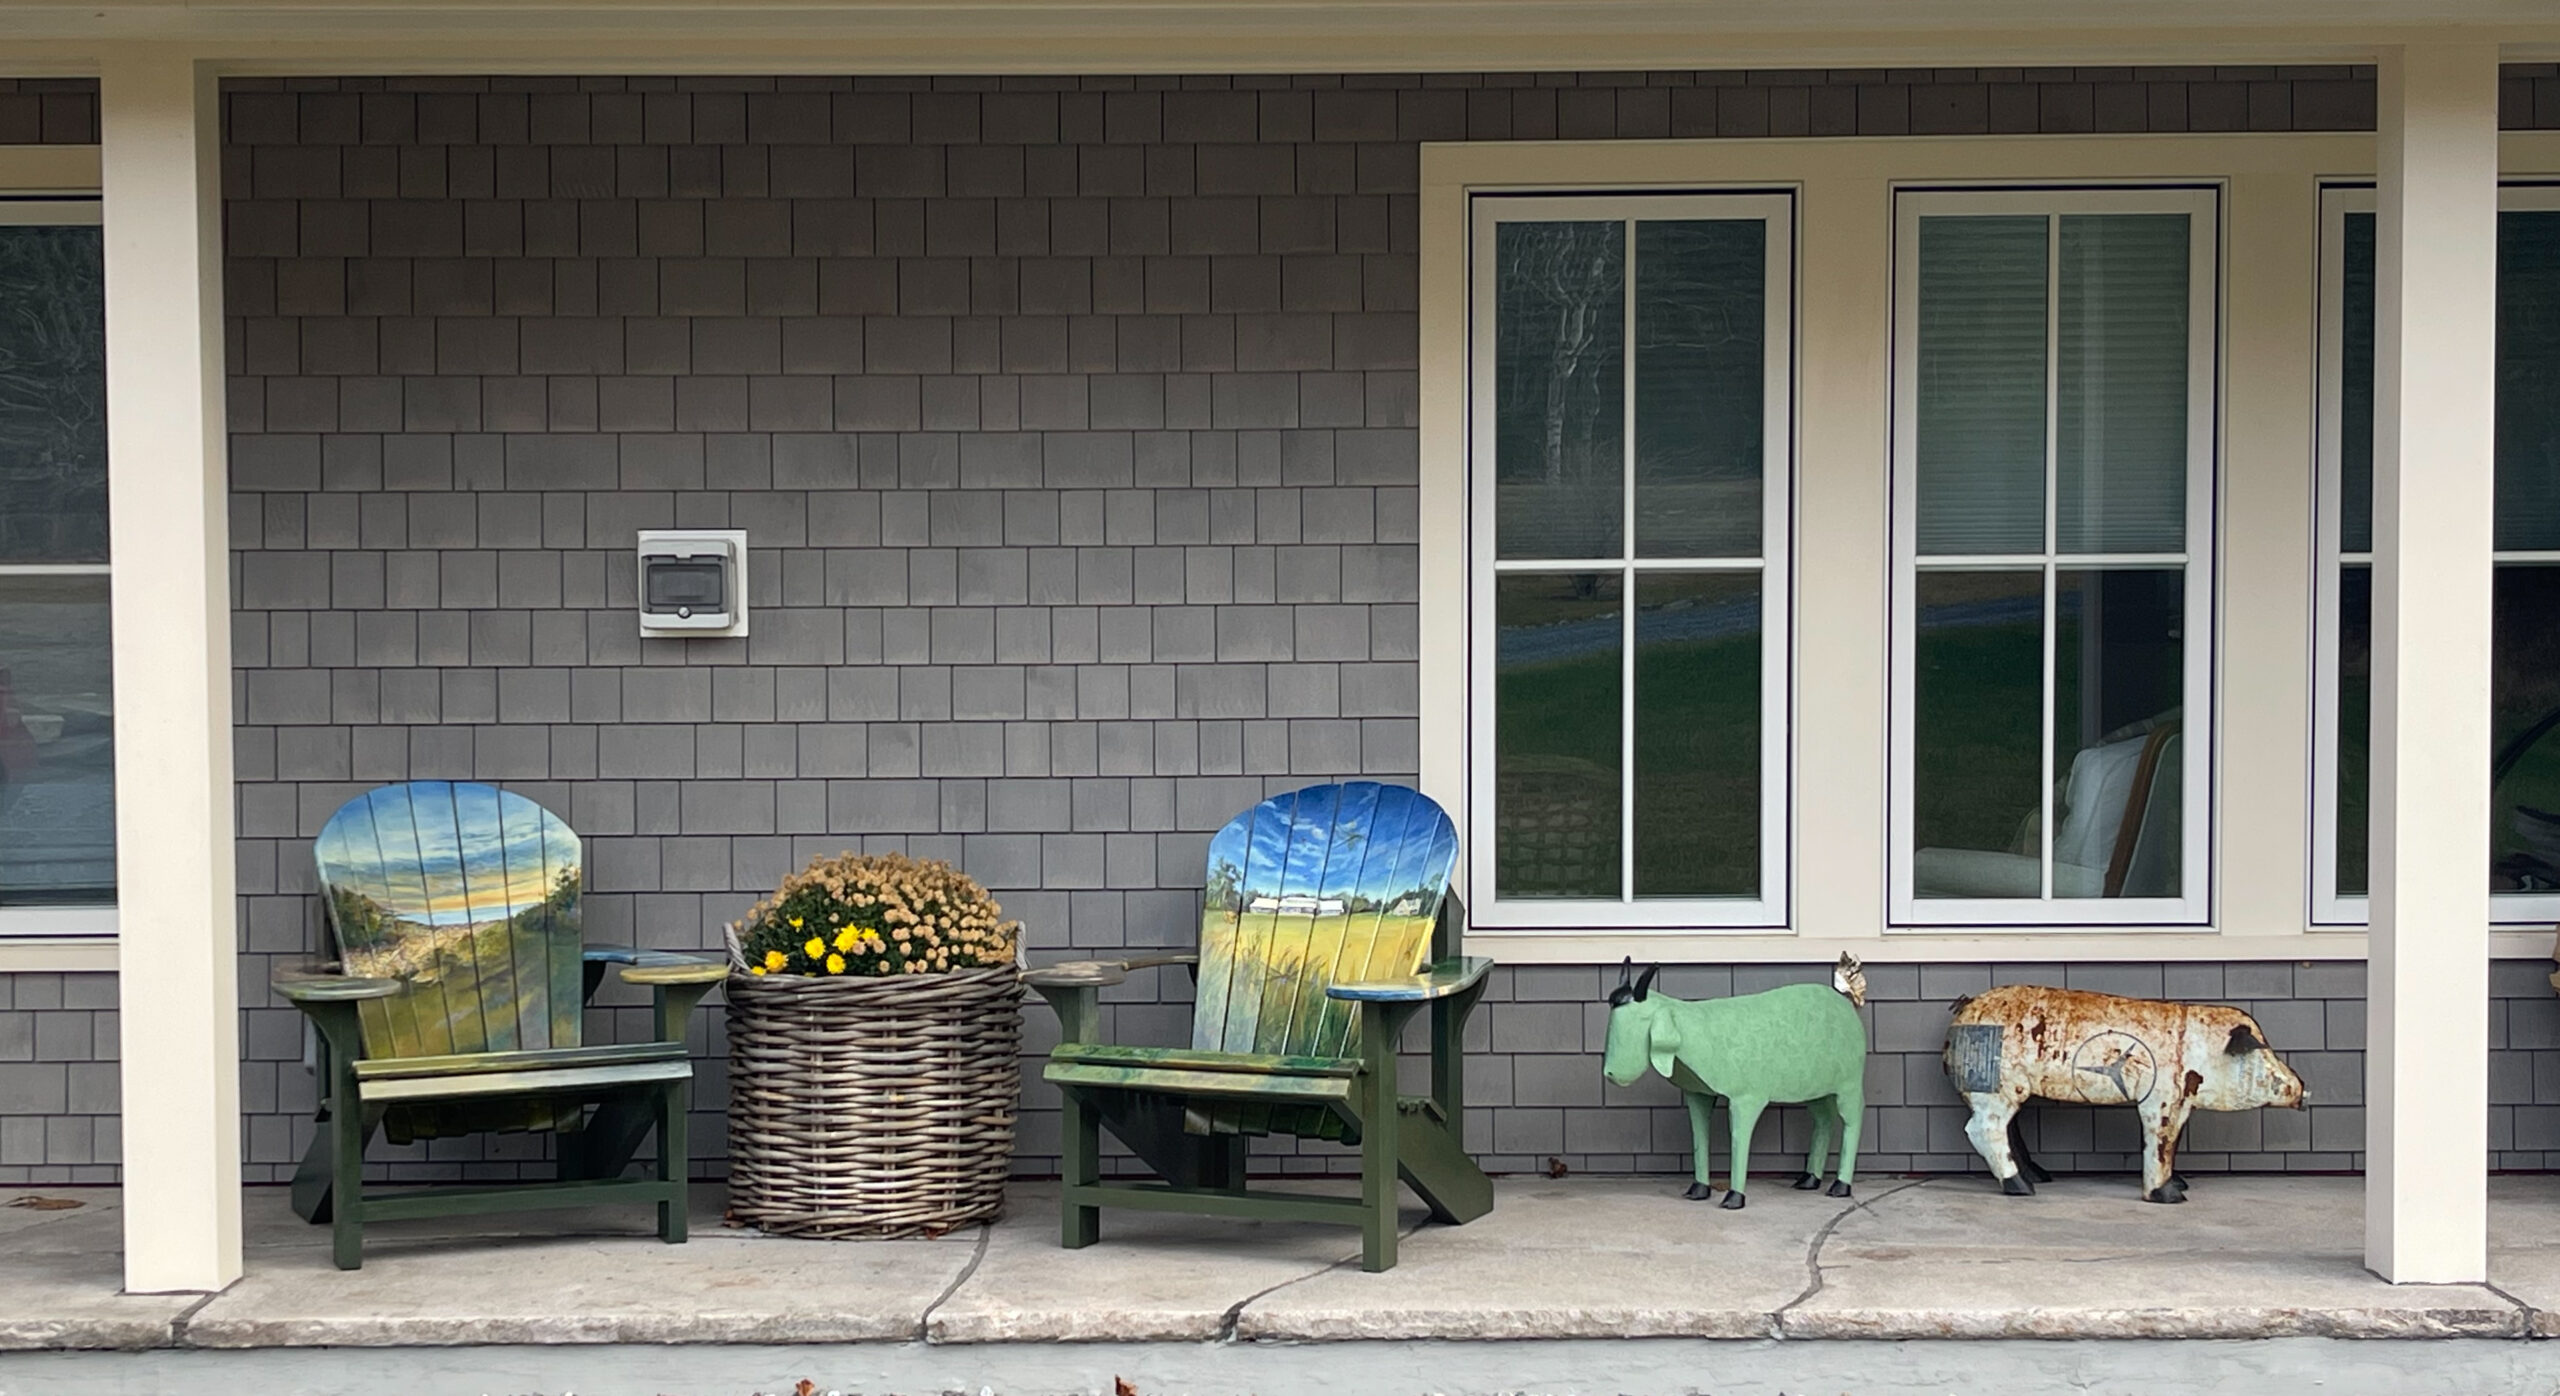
(1320, 909)
(455, 1007)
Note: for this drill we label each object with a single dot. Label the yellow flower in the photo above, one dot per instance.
(835, 964)
(755, 969)
(815, 947)
(795, 923)
(774, 959)
(848, 938)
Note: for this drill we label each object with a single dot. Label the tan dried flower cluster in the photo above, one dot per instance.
(875, 914)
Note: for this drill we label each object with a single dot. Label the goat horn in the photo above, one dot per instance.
(1644, 984)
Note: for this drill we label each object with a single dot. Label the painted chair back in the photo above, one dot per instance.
(468, 895)
(1330, 884)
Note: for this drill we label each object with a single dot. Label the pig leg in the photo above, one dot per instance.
(2161, 1122)
(1742, 1116)
(1699, 1105)
(1826, 1123)
(2026, 1161)
(1989, 1131)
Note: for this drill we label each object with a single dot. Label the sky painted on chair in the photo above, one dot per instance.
(1311, 851)
(446, 853)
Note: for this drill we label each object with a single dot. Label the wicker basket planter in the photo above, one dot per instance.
(872, 1107)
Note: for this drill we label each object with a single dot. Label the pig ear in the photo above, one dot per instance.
(2243, 1041)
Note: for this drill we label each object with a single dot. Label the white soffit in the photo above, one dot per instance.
(1065, 36)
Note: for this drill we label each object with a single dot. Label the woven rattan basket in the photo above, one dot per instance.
(872, 1107)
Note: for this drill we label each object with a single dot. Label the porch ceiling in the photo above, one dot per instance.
(1058, 36)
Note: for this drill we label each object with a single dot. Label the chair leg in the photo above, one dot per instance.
(347, 1131)
(1378, 1034)
(675, 1164)
(1079, 1224)
(311, 1178)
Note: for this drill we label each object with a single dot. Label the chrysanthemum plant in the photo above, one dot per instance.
(875, 914)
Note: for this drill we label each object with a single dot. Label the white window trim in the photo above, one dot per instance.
(54, 937)
(2331, 911)
(1844, 256)
(2202, 203)
(1488, 911)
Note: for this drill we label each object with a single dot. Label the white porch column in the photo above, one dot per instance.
(2427, 1058)
(170, 542)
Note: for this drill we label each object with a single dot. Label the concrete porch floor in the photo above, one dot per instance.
(1575, 1258)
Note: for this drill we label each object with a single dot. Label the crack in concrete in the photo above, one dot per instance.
(1235, 1312)
(2525, 1313)
(1821, 1238)
(178, 1326)
(978, 1253)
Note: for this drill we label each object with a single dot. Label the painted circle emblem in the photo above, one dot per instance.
(2114, 1067)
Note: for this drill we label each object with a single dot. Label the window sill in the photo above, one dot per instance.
(2181, 944)
(57, 955)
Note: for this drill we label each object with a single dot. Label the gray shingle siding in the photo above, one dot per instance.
(1072, 422)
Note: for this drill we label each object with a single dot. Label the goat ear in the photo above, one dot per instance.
(1663, 1043)
(1644, 982)
(2242, 1041)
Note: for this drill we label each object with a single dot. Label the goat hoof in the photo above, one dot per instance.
(2016, 1185)
(2178, 1181)
(1839, 1188)
(2163, 1194)
(1699, 1192)
(1732, 1200)
(1807, 1182)
(2039, 1173)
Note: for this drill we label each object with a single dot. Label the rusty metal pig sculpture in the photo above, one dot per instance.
(1800, 1043)
(2164, 1059)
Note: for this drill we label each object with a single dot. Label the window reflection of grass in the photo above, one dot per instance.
(1556, 735)
(1979, 718)
(1697, 772)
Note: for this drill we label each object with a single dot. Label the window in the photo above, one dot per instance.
(57, 795)
(1629, 465)
(2053, 496)
(2524, 810)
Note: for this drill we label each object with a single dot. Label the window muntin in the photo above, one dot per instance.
(2053, 482)
(1630, 467)
(57, 769)
(2524, 834)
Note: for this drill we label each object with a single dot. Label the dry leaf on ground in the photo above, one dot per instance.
(45, 1204)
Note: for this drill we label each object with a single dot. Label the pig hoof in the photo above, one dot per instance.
(2163, 1194)
(2178, 1181)
(1807, 1182)
(1732, 1200)
(2016, 1185)
(1839, 1188)
(1698, 1192)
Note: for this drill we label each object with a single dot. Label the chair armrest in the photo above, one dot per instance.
(661, 967)
(325, 984)
(1096, 974)
(1446, 979)
(612, 955)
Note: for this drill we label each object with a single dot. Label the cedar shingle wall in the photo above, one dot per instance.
(1072, 421)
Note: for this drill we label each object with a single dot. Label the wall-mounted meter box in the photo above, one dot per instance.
(693, 582)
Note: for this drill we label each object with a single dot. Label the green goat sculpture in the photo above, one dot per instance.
(1796, 1044)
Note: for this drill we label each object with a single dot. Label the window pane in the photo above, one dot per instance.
(1557, 662)
(53, 385)
(1697, 768)
(1701, 327)
(2524, 687)
(2355, 725)
(57, 772)
(2121, 384)
(1982, 385)
(1559, 389)
(2355, 388)
(2528, 370)
(2119, 660)
(1979, 723)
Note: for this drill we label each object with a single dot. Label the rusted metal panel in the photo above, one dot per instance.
(1973, 1056)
